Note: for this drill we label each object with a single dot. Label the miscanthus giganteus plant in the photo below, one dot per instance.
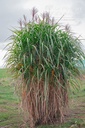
(44, 58)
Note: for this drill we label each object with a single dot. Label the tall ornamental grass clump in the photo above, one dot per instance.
(44, 58)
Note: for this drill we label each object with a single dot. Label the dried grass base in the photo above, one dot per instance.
(44, 106)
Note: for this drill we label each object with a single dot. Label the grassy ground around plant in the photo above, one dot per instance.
(3, 73)
(12, 117)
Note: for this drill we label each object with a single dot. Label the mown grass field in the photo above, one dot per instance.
(9, 113)
(3, 73)
(12, 117)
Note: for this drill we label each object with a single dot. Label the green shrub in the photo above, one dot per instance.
(45, 56)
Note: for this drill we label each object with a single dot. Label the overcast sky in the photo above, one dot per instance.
(11, 11)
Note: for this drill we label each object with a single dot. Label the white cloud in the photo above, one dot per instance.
(2, 60)
(3, 51)
(3, 45)
(56, 7)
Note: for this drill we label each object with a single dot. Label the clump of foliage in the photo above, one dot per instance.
(44, 58)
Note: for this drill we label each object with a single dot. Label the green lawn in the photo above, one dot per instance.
(3, 73)
(11, 115)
